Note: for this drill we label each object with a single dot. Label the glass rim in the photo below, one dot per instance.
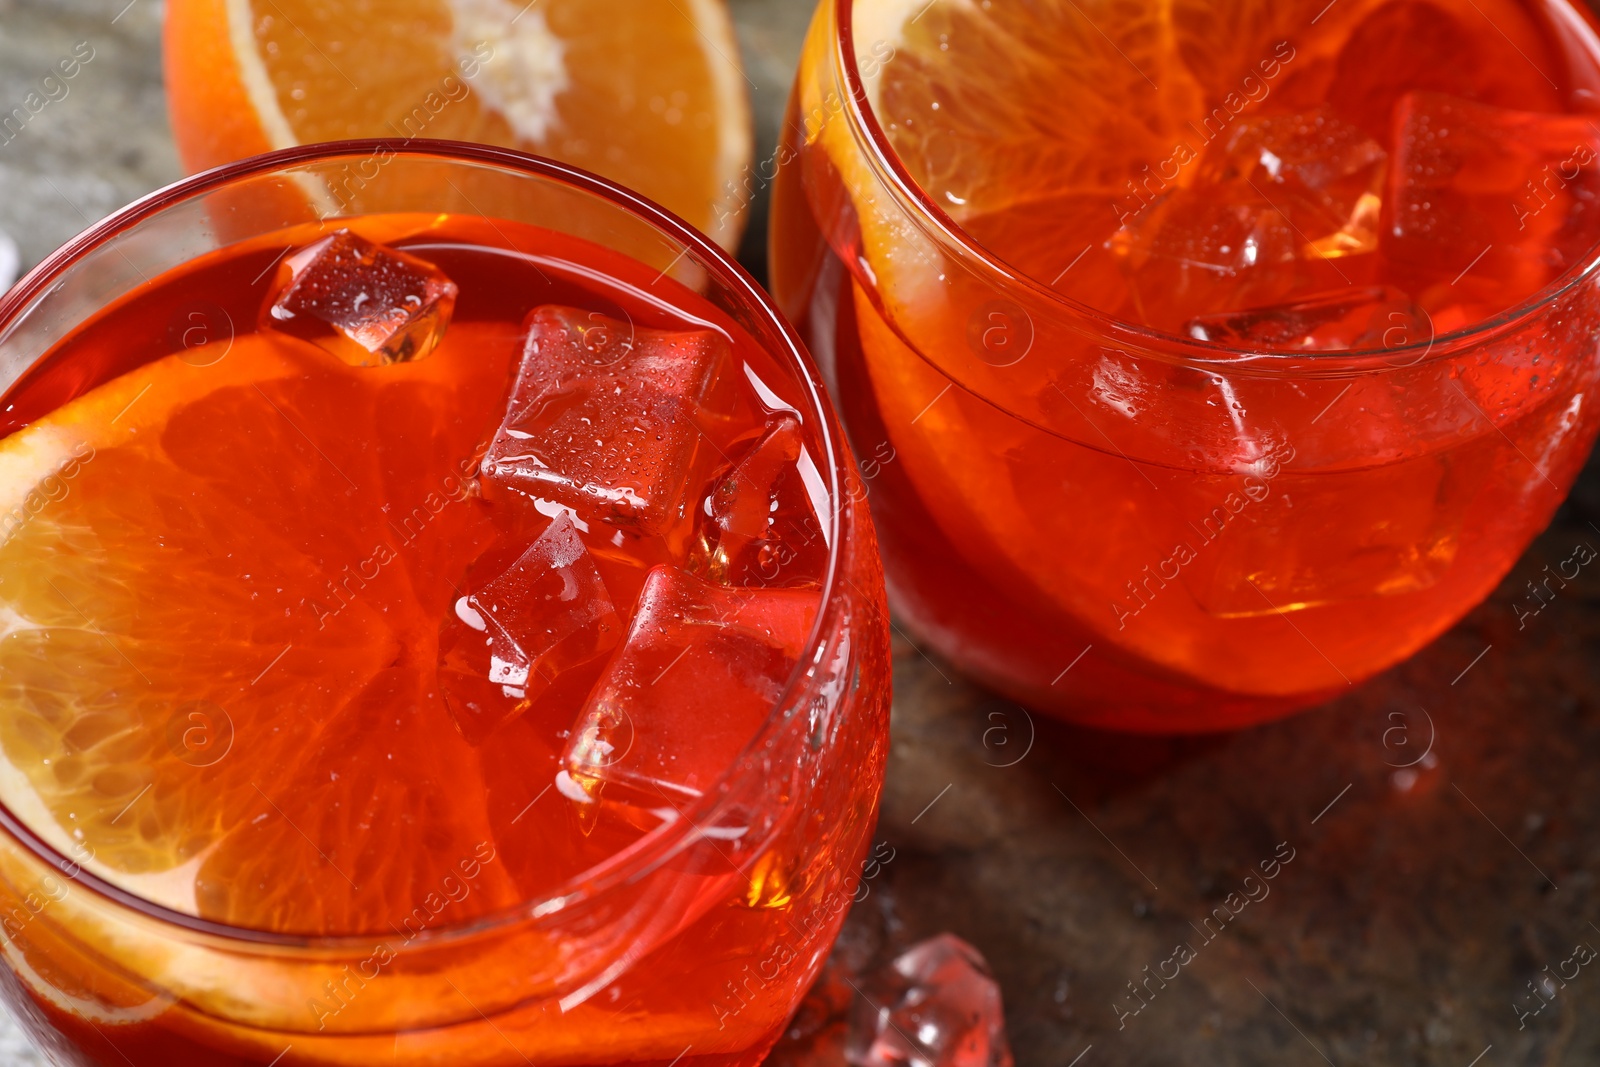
(1210, 357)
(654, 848)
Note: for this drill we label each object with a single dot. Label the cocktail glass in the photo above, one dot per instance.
(691, 945)
(1133, 527)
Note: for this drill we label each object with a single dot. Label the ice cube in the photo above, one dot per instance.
(1300, 542)
(365, 303)
(938, 1006)
(1367, 317)
(1214, 248)
(603, 418)
(1281, 207)
(1487, 205)
(1324, 175)
(1496, 51)
(504, 644)
(761, 524)
(699, 672)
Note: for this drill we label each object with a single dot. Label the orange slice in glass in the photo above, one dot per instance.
(188, 708)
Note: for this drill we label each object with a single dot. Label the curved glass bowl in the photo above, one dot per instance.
(1132, 529)
(695, 944)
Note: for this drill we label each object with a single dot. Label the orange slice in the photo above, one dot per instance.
(1036, 126)
(648, 93)
(217, 645)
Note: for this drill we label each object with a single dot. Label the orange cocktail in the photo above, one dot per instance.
(430, 637)
(1208, 357)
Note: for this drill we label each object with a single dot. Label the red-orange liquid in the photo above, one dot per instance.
(300, 543)
(1218, 542)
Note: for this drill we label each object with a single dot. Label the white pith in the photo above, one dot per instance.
(526, 69)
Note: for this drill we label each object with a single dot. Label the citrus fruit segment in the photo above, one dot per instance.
(216, 668)
(648, 93)
(992, 107)
(1043, 128)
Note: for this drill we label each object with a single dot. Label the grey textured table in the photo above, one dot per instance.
(1419, 902)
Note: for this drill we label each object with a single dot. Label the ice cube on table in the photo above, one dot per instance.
(1364, 317)
(761, 524)
(505, 643)
(699, 672)
(1324, 175)
(937, 1006)
(1486, 205)
(367, 304)
(603, 418)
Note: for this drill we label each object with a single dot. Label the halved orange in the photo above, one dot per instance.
(648, 93)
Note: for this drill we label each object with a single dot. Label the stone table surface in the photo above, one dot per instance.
(1419, 901)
